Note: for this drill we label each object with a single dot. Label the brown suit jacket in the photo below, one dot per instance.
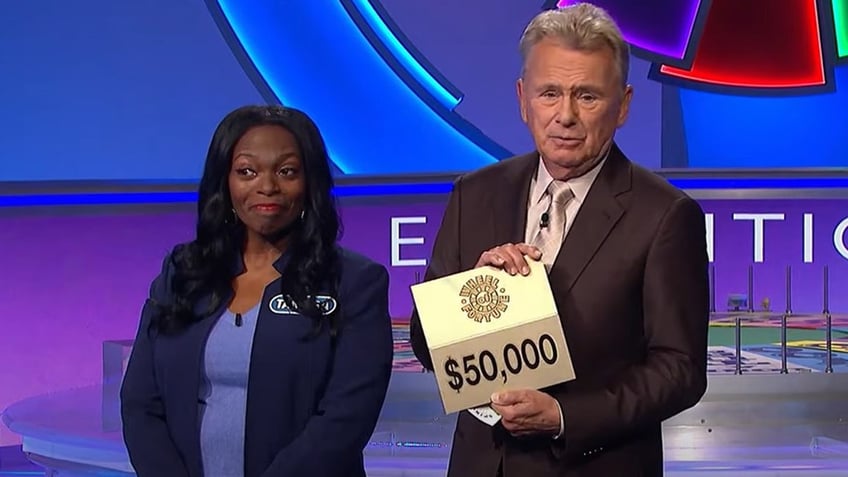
(631, 287)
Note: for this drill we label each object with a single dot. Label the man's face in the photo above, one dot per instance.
(572, 101)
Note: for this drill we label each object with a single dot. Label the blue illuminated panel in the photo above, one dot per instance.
(313, 57)
(725, 131)
(398, 51)
(406, 189)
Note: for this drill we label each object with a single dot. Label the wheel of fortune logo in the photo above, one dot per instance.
(482, 299)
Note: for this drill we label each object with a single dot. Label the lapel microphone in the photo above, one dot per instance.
(543, 221)
(239, 320)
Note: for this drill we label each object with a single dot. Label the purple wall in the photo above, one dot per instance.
(77, 278)
(71, 282)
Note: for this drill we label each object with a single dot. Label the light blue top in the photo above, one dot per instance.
(223, 394)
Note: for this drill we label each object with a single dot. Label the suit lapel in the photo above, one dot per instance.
(509, 213)
(598, 215)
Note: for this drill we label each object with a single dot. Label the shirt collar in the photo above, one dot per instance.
(579, 185)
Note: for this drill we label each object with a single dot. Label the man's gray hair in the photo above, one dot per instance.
(581, 26)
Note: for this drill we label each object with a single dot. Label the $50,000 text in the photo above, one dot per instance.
(512, 360)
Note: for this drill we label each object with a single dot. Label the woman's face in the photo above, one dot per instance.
(267, 181)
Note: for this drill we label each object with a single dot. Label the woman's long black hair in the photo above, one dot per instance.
(205, 267)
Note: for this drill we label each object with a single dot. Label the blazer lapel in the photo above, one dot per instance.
(596, 218)
(509, 213)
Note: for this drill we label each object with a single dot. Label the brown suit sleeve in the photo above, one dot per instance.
(673, 376)
(444, 260)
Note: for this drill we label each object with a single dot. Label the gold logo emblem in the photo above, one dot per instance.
(482, 300)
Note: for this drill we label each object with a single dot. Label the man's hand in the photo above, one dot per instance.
(509, 257)
(527, 412)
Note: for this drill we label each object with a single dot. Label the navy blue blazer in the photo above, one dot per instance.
(311, 407)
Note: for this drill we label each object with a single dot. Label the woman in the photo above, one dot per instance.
(264, 349)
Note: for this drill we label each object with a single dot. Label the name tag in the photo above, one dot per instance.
(278, 305)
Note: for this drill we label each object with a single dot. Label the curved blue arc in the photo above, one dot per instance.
(313, 57)
(403, 55)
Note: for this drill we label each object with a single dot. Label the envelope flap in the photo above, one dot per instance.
(480, 301)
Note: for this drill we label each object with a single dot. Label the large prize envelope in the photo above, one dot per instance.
(487, 331)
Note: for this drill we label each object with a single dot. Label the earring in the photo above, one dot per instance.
(302, 213)
(235, 216)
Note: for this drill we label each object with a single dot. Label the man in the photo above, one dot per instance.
(626, 258)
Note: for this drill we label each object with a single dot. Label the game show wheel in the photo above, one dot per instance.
(748, 46)
(779, 47)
